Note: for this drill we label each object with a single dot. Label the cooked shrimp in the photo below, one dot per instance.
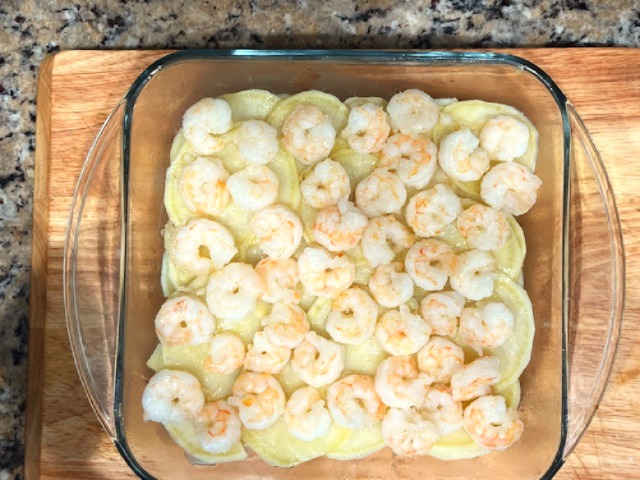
(488, 326)
(339, 227)
(441, 311)
(257, 142)
(510, 187)
(413, 111)
(381, 192)
(475, 379)
(445, 412)
(254, 187)
(263, 356)
(461, 158)
(504, 138)
(483, 227)
(323, 274)
(308, 134)
(354, 403)
(172, 396)
(400, 332)
(233, 292)
(318, 361)
(383, 239)
(278, 230)
(281, 280)
(286, 325)
(473, 275)
(399, 383)
(202, 246)
(409, 432)
(390, 285)
(368, 128)
(184, 320)
(217, 427)
(327, 183)
(259, 399)
(226, 354)
(306, 416)
(203, 186)
(429, 264)
(430, 211)
(411, 157)
(203, 122)
(353, 317)
(440, 359)
(491, 424)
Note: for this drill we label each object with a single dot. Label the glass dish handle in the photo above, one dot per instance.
(596, 281)
(91, 268)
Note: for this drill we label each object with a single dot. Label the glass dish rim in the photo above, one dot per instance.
(358, 56)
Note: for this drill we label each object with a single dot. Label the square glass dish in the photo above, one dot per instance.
(114, 251)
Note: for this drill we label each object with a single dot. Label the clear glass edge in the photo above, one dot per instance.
(436, 57)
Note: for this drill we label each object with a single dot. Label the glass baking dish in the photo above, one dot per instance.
(114, 248)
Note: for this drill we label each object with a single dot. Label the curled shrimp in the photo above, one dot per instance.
(254, 187)
(445, 411)
(172, 396)
(202, 246)
(430, 211)
(184, 320)
(286, 325)
(368, 128)
(510, 187)
(399, 383)
(488, 326)
(440, 359)
(308, 134)
(233, 292)
(278, 231)
(409, 432)
(354, 403)
(429, 263)
(339, 227)
(504, 138)
(324, 274)
(203, 122)
(203, 186)
(475, 379)
(318, 361)
(441, 311)
(263, 356)
(461, 158)
(491, 424)
(390, 285)
(306, 415)
(281, 280)
(327, 183)
(226, 354)
(259, 399)
(353, 317)
(383, 239)
(483, 227)
(413, 111)
(400, 332)
(217, 427)
(257, 142)
(379, 193)
(473, 275)
(411, 157)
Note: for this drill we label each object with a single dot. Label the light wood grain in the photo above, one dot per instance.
(77, 91)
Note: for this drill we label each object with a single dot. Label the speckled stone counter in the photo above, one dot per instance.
(33, 28)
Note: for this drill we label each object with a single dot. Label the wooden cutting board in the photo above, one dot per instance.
(76, 92)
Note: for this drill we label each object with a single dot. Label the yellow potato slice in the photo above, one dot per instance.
(155, 360)
(318, 313)
(353, 102)
(357, 165)
(288, 379)
(251, 104)
(364, 270)
(364, 358)
(183, 434)
(359, 443)
(329, 104)
(248, 326)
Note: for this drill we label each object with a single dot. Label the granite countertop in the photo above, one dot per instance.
(33, 28)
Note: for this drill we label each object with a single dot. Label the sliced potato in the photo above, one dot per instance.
(329, 104)
(248, 326)
(353, 102)
(358, 443)
(288, 379)
(364, 270)
(318, 313)
(183, 434)
(357, 165)
(284, 166)
(251, 104)
(364, 358)
(155, 360)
